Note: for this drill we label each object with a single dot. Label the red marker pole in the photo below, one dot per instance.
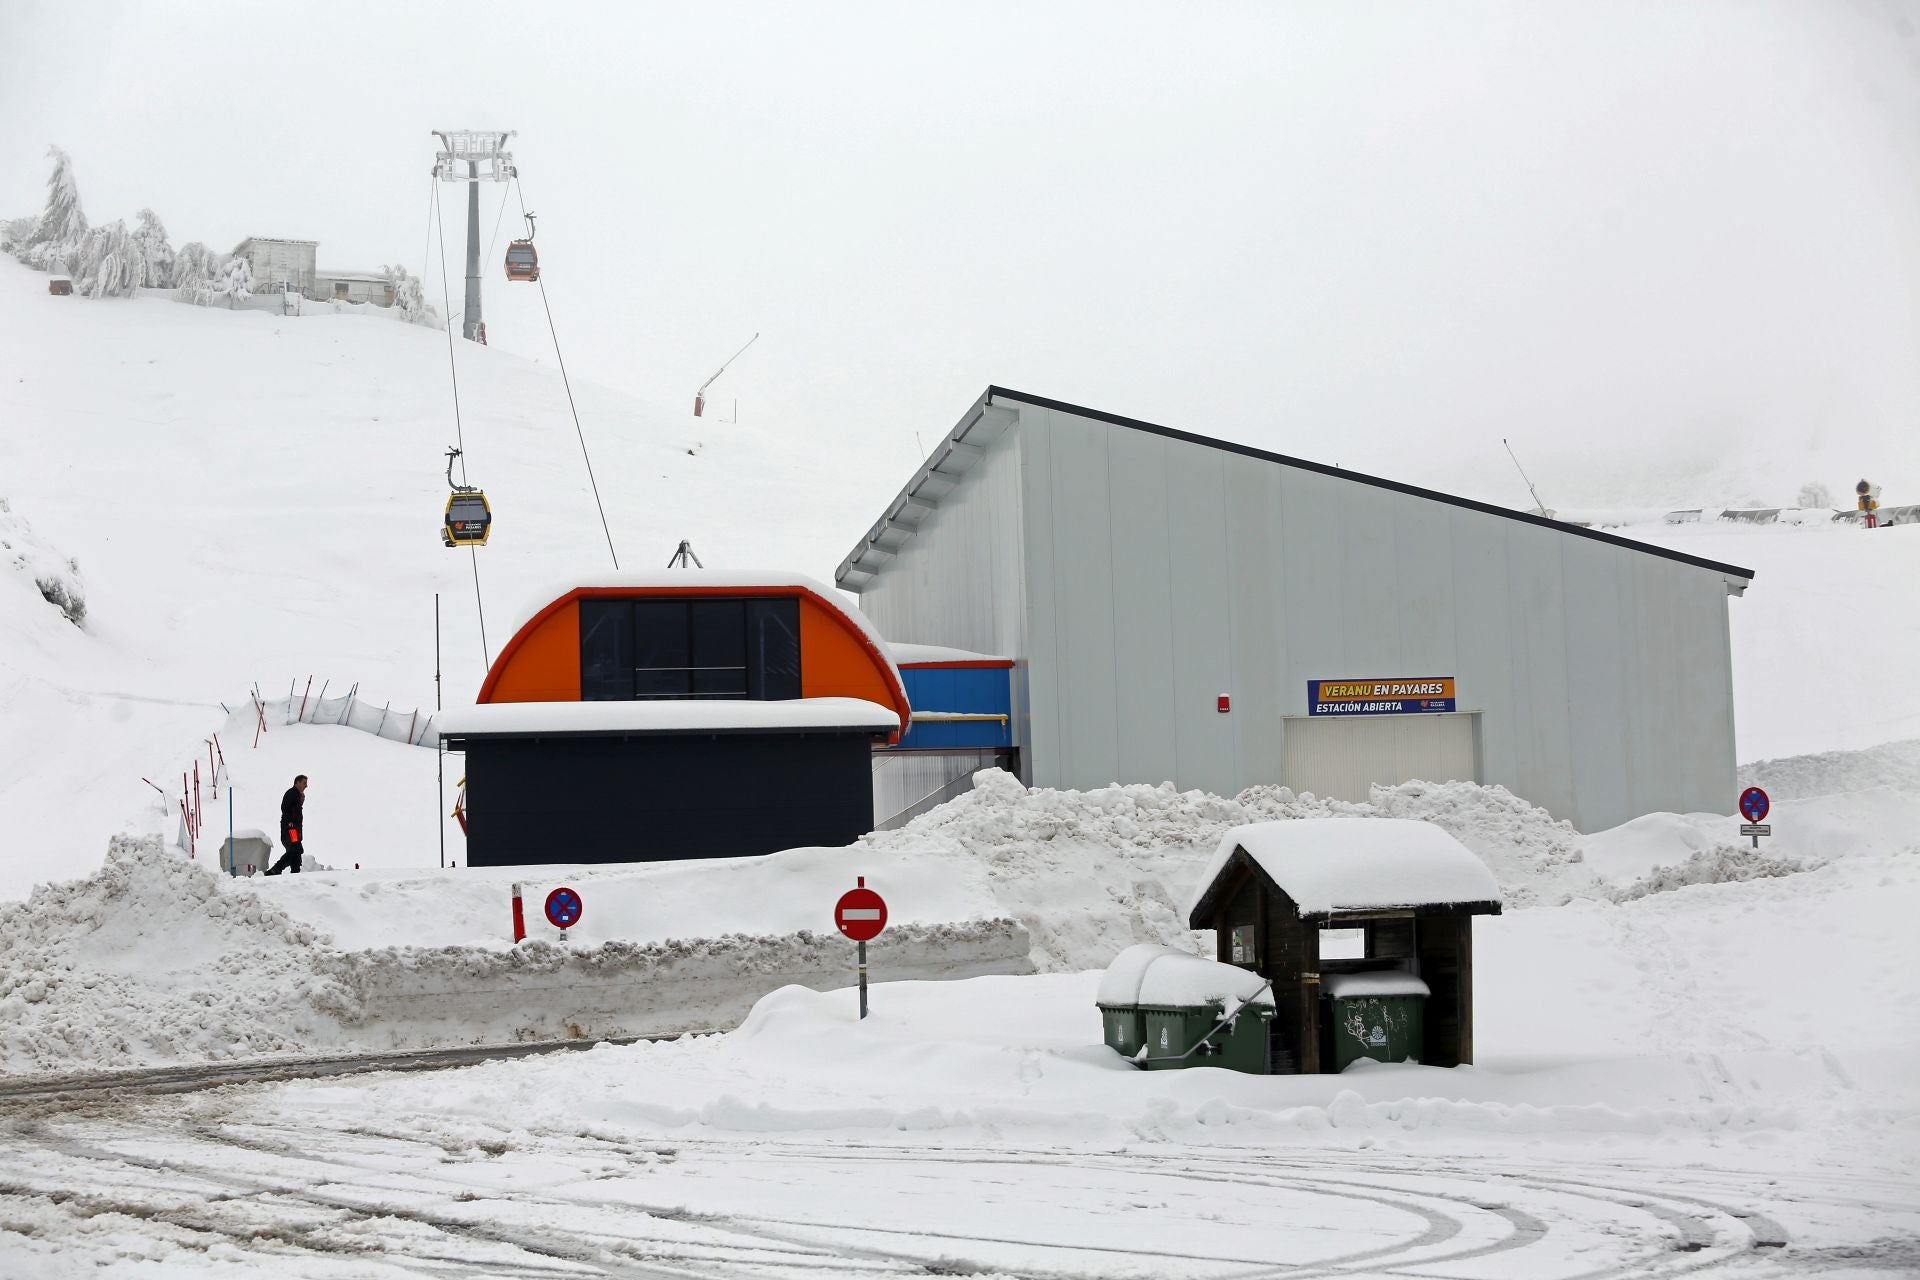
(519, 916)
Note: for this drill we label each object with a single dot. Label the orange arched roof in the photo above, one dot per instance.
(841, 655)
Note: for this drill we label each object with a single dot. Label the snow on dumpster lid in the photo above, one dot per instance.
(1388, 982)
(1121, 983)
(665, 716)
(1357, 864)
(1149, 973)
(1185, 980)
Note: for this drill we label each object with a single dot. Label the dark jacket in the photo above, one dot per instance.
(290, 805)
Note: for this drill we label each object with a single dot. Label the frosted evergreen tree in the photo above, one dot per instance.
(408, 297)
(15, 233)
(62, 225)
(193, 270)
(235, 281)
(110, 263)
(1815, 494)
(156, 255)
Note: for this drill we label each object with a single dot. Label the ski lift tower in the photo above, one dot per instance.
(473, 156)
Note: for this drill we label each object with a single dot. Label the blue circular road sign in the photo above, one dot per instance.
(563, 908)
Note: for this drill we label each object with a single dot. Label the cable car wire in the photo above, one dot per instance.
(453, 372)
(568, 384)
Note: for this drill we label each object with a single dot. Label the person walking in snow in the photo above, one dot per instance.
(292, 806)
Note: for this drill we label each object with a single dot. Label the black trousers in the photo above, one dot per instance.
(290, 860)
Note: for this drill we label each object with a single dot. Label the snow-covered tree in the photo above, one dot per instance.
(193, 268)
(15, 233)
(409, 300)
(110, 263)
(1815, 494)
(234, 281)
(62, 224)
(156, 255)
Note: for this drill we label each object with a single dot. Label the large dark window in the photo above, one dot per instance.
(662, 650)
(606, 650)
(689, 649)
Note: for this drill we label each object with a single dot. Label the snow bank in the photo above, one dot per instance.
(1089, 873)
(982, 1059)
(1724, 864)
(1352, 863)
(156, 959)
(55, 576)
(1895, 765)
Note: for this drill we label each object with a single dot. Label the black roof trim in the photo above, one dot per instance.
(1485, 508)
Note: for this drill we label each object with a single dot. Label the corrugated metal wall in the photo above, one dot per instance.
(958, 579)
(1164, 572)
(1160, 573)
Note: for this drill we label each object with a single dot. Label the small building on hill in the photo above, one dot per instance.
(683, 714)
(1306, 901)
(353, 286)
(287, 263)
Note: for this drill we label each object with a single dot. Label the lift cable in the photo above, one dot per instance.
(459, 432)
(493, 242)
(565, 382)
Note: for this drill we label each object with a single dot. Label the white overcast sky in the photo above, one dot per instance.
(1630, 236)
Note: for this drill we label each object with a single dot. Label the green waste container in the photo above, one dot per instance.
(1173, 1030)
(1167, 1001)
(1378, 1015)
(1119, 996)
(1124, 1028)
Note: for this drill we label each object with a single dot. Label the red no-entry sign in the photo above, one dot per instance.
(861, 913)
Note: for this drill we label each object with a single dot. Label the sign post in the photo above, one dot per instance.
(1754, 806)
(563, 910)
(861, 914)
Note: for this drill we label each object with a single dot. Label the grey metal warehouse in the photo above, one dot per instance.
(1187, 609)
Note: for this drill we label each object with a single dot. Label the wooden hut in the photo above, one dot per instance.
(1296, 900)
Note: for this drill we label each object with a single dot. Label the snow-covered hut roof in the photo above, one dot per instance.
(671, 715)
(1332, 865)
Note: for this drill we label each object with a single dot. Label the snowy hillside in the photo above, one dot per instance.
(251, 498)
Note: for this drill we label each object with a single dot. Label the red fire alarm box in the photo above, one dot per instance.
(1224, 704)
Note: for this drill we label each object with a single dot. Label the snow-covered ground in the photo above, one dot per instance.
(1689, 1054)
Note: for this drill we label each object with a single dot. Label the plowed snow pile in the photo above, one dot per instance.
(155, 959)
(1092, 872)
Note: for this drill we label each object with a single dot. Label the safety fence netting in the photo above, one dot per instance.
(382, 719)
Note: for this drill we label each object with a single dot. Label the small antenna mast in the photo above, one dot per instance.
(700, 396)
(1537, 504)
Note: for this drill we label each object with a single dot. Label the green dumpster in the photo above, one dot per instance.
(1377, 1015)
(1162, 1008)
(1119, 997)
(1175, 1033)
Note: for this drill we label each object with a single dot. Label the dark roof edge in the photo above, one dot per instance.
(1484, 508)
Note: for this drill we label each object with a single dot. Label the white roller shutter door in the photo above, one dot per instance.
(1342, 758)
